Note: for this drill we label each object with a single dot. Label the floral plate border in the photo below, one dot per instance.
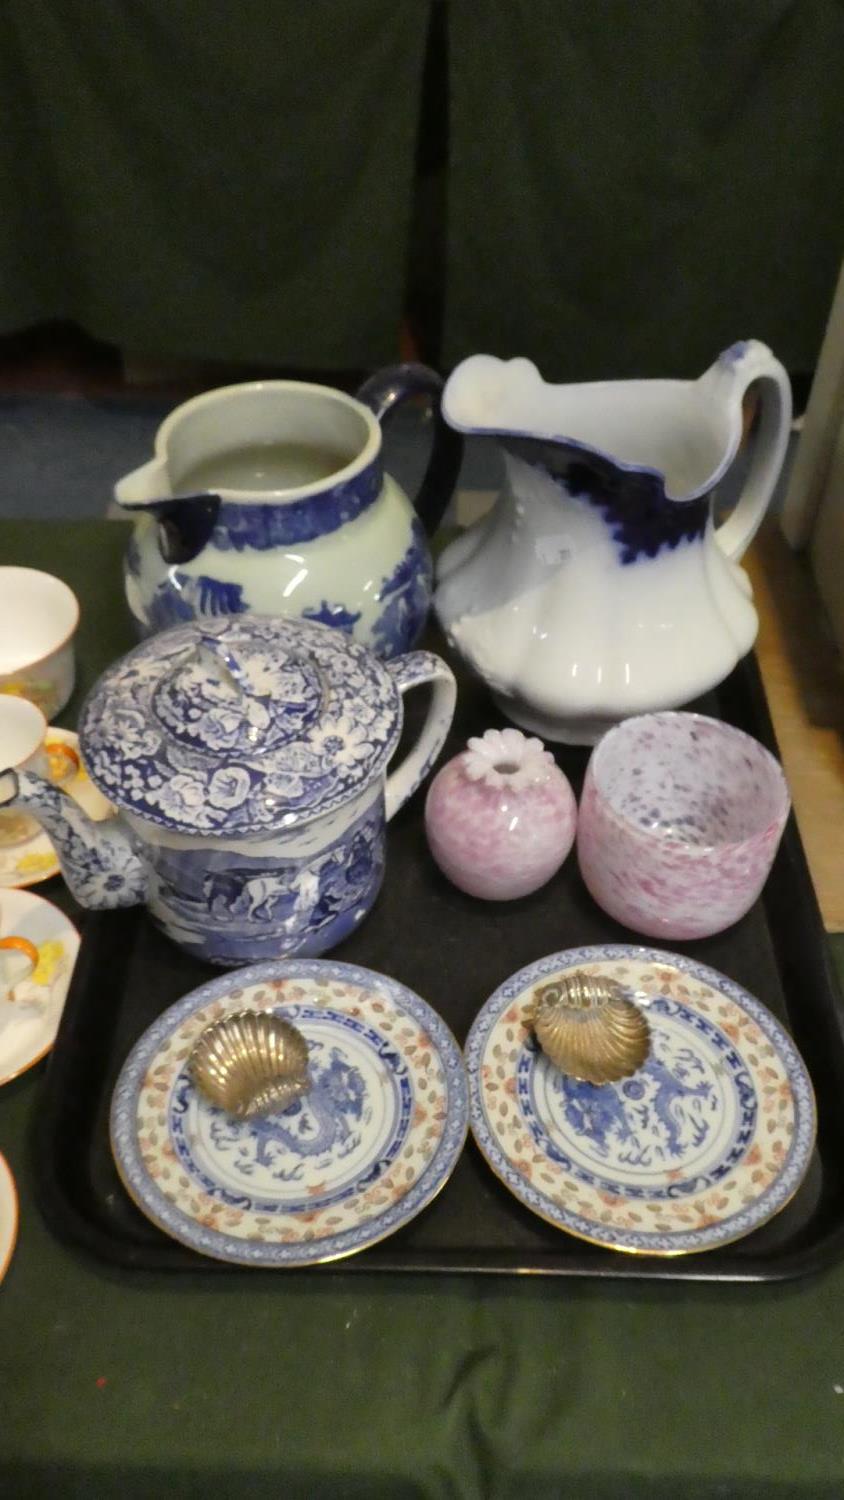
(713, 1235)
(161, 1211)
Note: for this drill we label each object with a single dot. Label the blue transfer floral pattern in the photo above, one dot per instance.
(257, 731)
(101, 862)
(284, 749)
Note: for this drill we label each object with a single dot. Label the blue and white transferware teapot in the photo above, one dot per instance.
(247, 758)
(271, 497)
(599, 586)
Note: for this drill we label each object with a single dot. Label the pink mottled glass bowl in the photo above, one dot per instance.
(679, 822)
(500, 817)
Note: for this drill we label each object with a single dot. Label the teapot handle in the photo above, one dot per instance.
(408, 672)
(388, 389)
(741, 365)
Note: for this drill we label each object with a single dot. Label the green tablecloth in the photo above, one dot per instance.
(329, 1385)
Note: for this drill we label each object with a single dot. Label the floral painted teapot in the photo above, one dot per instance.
(247, 758)
(271, 497)
(599, 586)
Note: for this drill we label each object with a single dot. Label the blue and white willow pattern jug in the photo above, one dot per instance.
(310, 526)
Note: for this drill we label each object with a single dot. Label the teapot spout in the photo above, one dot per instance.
(99, 861)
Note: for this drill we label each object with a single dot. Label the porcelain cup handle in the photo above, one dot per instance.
(386, 390)
(410, 671)
(742, 365)
(18, 962)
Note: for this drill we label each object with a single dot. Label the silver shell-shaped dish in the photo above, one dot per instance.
(588, 1028)
(250, 1063)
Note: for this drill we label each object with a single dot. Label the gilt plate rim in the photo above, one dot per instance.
(714, 1235)
(181, 1226)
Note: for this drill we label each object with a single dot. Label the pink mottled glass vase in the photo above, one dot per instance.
(500, 817)
(680, 819)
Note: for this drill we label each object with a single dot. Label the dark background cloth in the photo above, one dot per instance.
(231, 181)
(632, 187)
(610, 189)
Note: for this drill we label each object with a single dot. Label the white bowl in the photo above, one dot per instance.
(38, 619)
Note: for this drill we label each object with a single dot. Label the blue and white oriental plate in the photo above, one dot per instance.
(708, 1140)
(355, 1159)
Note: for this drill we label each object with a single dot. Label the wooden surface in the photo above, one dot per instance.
(804, 681)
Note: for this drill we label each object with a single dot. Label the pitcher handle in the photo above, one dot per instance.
(408, 672)
(388, 389)
(741, 365)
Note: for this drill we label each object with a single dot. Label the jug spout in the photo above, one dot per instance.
(148, 483)
(185, 522)
(99, 861)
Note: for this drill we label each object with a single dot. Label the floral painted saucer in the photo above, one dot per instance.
(29, 1021)
(708, 1140)
(8, 1216)
(34, 859)
(355, 1159)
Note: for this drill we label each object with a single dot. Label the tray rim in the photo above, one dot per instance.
(68, 1222)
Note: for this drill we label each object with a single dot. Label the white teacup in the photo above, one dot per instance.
(22, 731)
(38, 619)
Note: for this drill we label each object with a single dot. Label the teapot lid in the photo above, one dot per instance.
(240, 725)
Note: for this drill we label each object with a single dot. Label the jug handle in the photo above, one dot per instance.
(386, 390)
(408, 672)
(742, 365)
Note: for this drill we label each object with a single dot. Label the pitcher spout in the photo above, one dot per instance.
(99, 861)
(185, 522)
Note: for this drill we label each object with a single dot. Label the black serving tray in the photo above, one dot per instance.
(455, 951)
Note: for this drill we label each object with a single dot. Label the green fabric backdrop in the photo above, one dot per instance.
(629, 187)
(223, 180)
(633, 187)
